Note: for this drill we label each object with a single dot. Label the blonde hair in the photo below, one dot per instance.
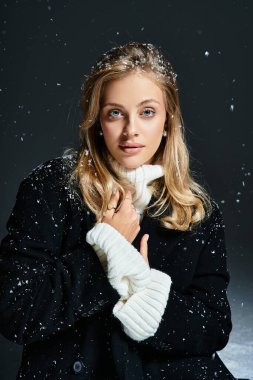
(96, 173)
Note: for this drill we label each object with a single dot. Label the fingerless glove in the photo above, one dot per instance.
(127, 270)
(141, 314)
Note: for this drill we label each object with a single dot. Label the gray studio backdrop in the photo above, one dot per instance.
(46, 49)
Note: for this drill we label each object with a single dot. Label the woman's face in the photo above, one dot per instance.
(132, 112)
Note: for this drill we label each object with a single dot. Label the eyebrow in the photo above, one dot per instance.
(120, 105)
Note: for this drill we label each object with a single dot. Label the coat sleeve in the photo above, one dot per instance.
(198, 320)
(42, 290)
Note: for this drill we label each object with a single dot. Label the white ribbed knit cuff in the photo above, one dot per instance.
(128, 272)
(141, 314)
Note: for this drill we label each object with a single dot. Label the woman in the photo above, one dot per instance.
(82, 287)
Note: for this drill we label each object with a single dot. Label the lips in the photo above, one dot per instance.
(131, 145)
(130, 149)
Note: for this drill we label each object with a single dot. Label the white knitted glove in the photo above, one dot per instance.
(141, 314)
(127, 272)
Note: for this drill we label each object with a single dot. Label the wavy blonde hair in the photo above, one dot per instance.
(180, 202)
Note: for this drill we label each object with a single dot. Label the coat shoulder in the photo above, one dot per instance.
(213, 217)
(53, 171)
(51, 180)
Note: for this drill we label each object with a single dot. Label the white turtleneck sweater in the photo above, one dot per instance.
(140, 177)
(144, 291)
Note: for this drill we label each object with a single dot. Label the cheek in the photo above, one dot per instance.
(110, 133)
(155, 134)
(111, 136)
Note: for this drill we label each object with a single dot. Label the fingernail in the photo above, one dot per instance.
(114, 190)
(147, 237)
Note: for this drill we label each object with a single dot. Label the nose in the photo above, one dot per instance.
(130, 128)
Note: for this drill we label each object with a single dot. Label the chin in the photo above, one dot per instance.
(132, 164)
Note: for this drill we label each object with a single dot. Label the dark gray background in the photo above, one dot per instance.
(46, 49)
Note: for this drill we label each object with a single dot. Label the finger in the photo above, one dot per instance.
(128, 196)
(144, 247)
(112, 205)
(127, 201)
(114, 200)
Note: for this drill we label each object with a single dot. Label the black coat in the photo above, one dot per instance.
(56, 300)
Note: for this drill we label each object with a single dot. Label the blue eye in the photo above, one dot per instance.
(115, 113)
(110, 112)
(148, 110)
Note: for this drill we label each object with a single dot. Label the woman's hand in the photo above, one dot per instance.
(125, 219)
